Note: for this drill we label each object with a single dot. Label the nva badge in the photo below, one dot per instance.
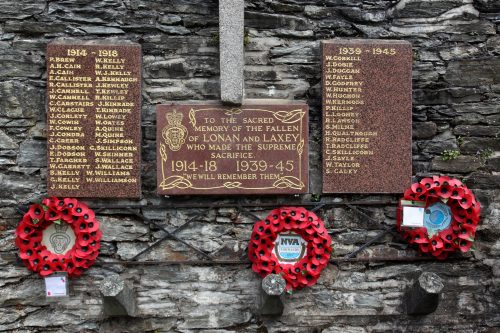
(289, 248)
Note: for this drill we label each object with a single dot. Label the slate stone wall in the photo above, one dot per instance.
(456, 107)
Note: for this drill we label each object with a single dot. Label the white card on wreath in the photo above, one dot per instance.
(56, 285)
(413, 216)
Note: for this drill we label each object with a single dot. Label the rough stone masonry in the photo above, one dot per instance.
(456, 80)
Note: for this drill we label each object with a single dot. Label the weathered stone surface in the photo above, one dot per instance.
(470, 73)
(462, 164)
(455, 76)
(19, 100)
(6, 141)
(473, 145)
(20, 10)
(261, 20)
(32, 153)
(472, 130)
(424, 130)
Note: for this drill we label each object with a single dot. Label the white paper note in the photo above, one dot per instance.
(55, 286)
(413, 216)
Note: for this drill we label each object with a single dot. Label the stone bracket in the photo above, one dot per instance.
(118, 297)
(423, 297)
(271, 291)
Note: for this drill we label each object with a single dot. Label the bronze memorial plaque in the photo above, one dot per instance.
(215, 149)
(94, 131)
(366, 116)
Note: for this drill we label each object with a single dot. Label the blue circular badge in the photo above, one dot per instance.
(437, 217)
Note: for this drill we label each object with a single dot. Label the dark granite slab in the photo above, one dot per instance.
(214, 149)
(94, 132)
(367, 103)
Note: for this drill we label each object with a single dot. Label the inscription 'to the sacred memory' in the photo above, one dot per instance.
(214, 149)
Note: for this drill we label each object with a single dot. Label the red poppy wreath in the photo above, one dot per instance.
(58, 235)
(451, 216)
(291, 242)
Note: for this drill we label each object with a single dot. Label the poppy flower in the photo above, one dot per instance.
(424, 247)
(418, 189)
(467, 232)
(258, 229)
(410, 195)
(323, 259)
(36, 212)
(447, 235)
(420, 236)
(25, 231)
(59, 204)
(262, 268)
(94, 246)
(436, 243)
(308, 279)
(84, 239)
(457, 193)
(301, 218)
(476, 207)
(445, 180)
(70, 202)
(445, 191)
(464, 245)
(46, 270)
(428, 183)
(33, 263)
(80, 225)
(471, 220)
(27, 254)
(66, 215)
(439, 254)
(449, 247)
(313, 269)
(49, 202)
(466, 201)
(455, 183)
(80, 209)
(52, 214)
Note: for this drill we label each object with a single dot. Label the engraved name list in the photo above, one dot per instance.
(93, 97)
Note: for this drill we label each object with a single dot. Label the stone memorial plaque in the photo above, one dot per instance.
(94, 131)
(366, 116)
(214, 149)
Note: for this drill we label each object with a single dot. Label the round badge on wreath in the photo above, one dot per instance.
(450, 215)
(58, 235)
(293, 243)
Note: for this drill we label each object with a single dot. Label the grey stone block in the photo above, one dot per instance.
(231, 31)
(118, 297)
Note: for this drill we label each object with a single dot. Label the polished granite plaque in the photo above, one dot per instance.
(257, 148)
(367, 103)
(93, 119)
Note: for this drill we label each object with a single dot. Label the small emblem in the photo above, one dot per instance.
(59, 239)
(437, 217)
(289, 248)
(174, 133)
